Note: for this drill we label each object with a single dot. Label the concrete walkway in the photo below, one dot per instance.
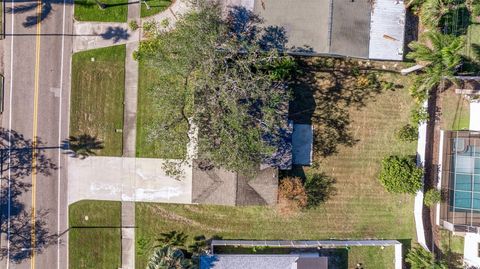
(129, 136)
(474, 116)
(171, 14)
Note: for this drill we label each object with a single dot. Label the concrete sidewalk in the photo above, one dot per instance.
(92, 35)
(171, 14)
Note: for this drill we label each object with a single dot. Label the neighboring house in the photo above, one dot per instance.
(354, 28)
(459, 179)
(290, 254)
(272, 261)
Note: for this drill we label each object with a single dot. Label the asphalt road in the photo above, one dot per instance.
(37, 53)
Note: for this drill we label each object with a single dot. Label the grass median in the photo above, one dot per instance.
(155, 7)
(95, 235)
(114, 11)
(98, 86)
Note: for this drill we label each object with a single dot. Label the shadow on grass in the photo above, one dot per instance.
(82, 146)
(324, 93)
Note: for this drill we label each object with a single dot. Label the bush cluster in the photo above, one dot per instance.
(399, 174)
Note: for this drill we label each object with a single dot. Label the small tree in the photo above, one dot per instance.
(168, 257)
(432, 197)
(399, 174)
(408, 133)
(292, 196)
(420, 258)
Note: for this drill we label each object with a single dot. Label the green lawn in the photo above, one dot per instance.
(88, 10)
(455, 111)
(97, 96)
(372, 257)
(160, 109)
(96, 242)
(473, 41)
(361, 207)
(156, 6)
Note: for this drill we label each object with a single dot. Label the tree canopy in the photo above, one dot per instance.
(442, 58)
(232, 74)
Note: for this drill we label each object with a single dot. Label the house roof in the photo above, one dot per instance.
(256, 261)
(221, 187)
(360, 28)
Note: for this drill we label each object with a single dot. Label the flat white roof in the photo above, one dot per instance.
(470, 251)
(474, 116)
(387, 30)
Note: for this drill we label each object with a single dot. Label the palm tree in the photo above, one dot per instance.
(168, 257)
(100, 4)
(432, 11)
(420, 258)
(441, 59)
(172, 238)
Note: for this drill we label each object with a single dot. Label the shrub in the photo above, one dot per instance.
(420, 258)
(419, 115)
(432, 197)
(408, 133)
(399, 174)
(475, 9)
(292, 196)
(133, 24)
(416, 91)
(319, 187)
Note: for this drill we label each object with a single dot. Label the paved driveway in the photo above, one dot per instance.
(126, 179)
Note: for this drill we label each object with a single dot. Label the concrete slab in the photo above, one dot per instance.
(127, 179)
(474, 116)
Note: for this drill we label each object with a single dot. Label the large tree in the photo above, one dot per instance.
(233, 75)
(441, 58)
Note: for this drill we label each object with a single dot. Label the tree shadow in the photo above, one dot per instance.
(456, 21)
(81, 146)
(319, 187)
(115, 33)
(16, 163)
(323, 95)
(20, 236)
(45, 11)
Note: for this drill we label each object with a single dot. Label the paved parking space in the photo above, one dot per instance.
(126, 179)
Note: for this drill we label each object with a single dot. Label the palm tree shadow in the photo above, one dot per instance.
(81, 146)
(45, 11)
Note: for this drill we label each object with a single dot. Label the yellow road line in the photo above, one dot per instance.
(35, 127)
